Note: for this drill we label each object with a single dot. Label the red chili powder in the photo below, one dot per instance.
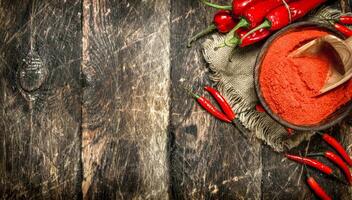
(290, 85)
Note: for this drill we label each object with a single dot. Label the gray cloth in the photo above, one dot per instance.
(235, 80)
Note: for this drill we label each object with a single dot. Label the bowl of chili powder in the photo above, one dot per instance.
(288, 87)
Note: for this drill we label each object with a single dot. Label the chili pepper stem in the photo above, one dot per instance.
(265, 24)
(209, 29)
(233, 40)
(216, 6)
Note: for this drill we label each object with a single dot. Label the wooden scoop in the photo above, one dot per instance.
(340, 54)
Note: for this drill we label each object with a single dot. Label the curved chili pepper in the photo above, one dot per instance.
(222, 102)
(337, 146)
(223, 22)
(343, 29)
(344, 19)
(338, 161)
(280, 16)
(317, 189)
(206, 104)
(312, 163)
(254, 37)
(238, 6)
(255, 13)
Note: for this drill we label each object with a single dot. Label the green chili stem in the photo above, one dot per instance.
(206, 31)
(233, 40)
(265, 24)
(216, 6)
(243, 23)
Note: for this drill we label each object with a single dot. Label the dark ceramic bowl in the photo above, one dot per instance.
(331, 120)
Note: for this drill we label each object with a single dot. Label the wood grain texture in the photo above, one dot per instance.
(40, 131)
(209, 159)
(126, 99)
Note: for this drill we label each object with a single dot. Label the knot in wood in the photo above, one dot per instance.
(33, 73)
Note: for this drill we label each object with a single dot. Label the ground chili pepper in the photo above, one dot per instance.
(337, 146)
(222, 102)
(317, 189)
(338, 161)
(223, 22)
(343, 29)
(283, 15)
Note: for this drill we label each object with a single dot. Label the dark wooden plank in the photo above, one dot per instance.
(284, 179)
(209, 159)
(126, 99)
(40, 115)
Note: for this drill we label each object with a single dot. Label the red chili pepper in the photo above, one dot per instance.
(343, 29)
(238, 6)
(345, 19)
(222, 102)
(338, 161)
(312, 163)
(249, 39)
(337, 146)
(259, 108)
(223, 22)
(256, 13)
(280, 16)
(319, 191)
(289, 131)
(206, 104)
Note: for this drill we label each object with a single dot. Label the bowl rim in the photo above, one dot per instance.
(258, 62)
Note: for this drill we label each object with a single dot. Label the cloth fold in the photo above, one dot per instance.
(233, 73)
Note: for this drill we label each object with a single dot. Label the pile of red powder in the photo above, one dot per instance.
(290, 85)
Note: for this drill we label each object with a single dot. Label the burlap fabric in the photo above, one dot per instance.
(234, 78)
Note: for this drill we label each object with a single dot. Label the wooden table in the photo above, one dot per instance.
(90, 108)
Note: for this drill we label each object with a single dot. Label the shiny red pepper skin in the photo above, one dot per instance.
(319, 191)
(252, 38)
(279, 17)
(206, 104)
(345, 20)
(239, 6)
(224, 21)
(339, 162)
(259, 108)
(222, 102)
(311, 162)
(343, 29)
(256, 13)
(338, 147)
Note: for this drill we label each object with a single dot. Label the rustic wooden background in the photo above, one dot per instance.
(100, 115)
